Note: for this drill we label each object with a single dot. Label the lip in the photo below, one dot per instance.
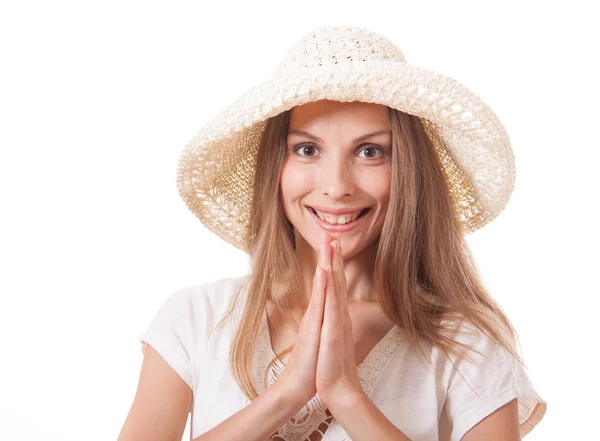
(338, 228)
(336, 211)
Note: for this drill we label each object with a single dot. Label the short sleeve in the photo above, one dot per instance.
(170, 334)
(490, 381)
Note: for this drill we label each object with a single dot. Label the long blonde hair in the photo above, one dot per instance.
(420, 225)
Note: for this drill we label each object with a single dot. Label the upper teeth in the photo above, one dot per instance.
(337, 220)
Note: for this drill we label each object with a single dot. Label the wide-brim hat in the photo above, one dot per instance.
(215, 173)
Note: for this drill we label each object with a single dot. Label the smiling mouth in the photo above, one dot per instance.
(362, 213)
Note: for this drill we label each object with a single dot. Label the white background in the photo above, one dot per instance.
(97, 99)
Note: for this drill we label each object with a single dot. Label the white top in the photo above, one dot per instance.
(425, 403)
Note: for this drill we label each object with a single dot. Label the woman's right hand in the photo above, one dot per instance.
(301, 369)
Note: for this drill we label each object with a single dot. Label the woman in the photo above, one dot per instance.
(374, 325)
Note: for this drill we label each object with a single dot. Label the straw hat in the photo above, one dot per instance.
(216, 168)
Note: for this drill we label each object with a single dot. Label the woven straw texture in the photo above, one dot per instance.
(215, 172)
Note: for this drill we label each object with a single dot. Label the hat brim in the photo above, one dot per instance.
(473, 137)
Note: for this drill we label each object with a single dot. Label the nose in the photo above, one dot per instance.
(336, 178)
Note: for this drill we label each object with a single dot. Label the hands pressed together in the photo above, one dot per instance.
(323, 359)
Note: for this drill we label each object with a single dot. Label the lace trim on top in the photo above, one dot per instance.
(314, 419)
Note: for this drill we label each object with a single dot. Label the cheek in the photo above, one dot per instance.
(294, 181)
(377, 185)
(294, 185)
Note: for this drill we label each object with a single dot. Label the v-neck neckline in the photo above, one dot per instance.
(315, 413)
(394, 330)
(369, 373)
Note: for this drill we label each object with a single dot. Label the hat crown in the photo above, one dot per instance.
(331, 46)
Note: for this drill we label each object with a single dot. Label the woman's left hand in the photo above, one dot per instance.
(337, 374)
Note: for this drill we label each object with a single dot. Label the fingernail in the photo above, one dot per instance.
(322, 236)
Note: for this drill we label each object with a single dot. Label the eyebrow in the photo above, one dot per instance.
(359, 139)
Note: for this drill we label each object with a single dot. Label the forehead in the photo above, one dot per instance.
(325, 113)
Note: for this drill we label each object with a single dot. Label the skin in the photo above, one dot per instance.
(337, 172)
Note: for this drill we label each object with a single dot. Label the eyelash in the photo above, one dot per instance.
(374, 146)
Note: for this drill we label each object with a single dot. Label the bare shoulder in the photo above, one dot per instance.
(161, 404)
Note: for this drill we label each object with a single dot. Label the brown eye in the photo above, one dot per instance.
(374, 149)
(305, 148)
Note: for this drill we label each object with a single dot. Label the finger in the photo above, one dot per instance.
(320, 261)
(317, 300)
(339, 275)
(312, 295)
(325, 253)
(305, 317)
(330, 318)
(322, 253)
